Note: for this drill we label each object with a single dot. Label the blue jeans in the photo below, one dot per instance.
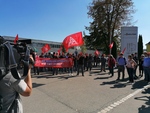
(147, 73)
(131, 74)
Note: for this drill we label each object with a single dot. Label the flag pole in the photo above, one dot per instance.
(110, 43)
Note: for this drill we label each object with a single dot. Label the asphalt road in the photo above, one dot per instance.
(98, 93)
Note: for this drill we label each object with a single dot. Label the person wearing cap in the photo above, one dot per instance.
(146, 66)
(121, 62)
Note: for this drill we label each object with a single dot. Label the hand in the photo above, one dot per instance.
(31, 62)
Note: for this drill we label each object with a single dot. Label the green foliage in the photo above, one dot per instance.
(108, 17)
(83, 49)
(63, 48)
(114, 50)
(140, 46)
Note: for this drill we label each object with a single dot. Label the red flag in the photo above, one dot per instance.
(123, 50)
(73, 40)
(45, 48)
(97, 52)
(111, 45)
(16, 39)
(59, 50)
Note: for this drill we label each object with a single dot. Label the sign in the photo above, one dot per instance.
(129, 38)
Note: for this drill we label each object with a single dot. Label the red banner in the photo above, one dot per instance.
(53, 62)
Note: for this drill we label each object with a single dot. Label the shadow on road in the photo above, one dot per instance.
(108, 83)
(139, 84)
(49, 75)
(34, 85)
(146, 107)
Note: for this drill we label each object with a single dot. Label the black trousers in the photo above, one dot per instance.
(121, 68)
(82, 69)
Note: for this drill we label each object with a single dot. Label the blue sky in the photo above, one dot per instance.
(53, 20)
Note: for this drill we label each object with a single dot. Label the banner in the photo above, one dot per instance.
(53, 62)
(129, 40)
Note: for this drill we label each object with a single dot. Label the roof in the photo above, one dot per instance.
(148, 43)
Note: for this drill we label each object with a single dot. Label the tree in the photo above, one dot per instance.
(63, 48)
(108, 16)
(140, 46)
(114, 50)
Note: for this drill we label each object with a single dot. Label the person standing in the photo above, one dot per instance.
(55, 69)
(36, 69)
(131, 64)
(41, 69)
(86, 62)
(111, 64)
(70, 69)
(103, 63)
(135, 58)
(75, 63)
(121, 62)
(11, 89)
(146, 67)
(80, 63)
(95, 60)
(141, 65)
(90, 58)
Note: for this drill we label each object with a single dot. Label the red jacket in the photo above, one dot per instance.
(111, 62)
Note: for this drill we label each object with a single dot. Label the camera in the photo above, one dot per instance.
(22, 51)
(13, 56)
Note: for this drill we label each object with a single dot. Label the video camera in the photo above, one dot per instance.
(13, 56)
(20, 50)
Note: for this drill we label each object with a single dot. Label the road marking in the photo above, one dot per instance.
(115, 104)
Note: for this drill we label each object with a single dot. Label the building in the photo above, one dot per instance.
(148, 47)
(38, 44)
(129, 39)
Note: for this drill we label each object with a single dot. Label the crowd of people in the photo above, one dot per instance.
(81, 62)
(85, 62)
(10, 100)
(131, 64)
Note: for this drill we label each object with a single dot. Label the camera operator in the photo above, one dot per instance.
(11, 89)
